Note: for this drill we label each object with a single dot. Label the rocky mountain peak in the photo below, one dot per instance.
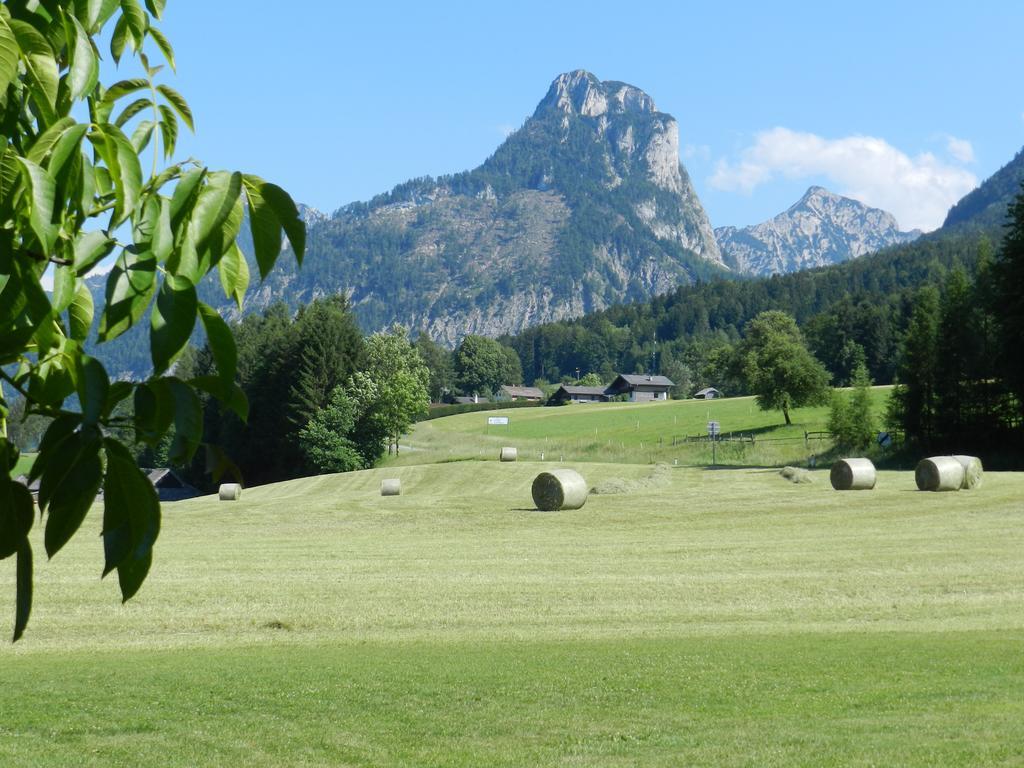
(820, 228)
(581, 93)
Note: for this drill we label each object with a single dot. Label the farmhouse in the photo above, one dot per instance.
(708, 393)
(569, 393)
(640, 387)
(532, 394)
(170, 487)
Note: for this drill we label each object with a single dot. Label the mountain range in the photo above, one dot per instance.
(587, 205)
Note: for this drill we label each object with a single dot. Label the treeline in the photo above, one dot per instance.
(853, 312)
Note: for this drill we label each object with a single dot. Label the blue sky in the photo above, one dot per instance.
(904, 105)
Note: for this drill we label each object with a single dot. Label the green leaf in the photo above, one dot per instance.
(124, 87)
(142, 134)
(85, 69)
(23, 590)
(164, 45)
(59, 431)
(221, 342)
(234, 274)
(215, 203)
(63, 288)
(41, 67)
(154, 410)
(132, 110)
(98, 11)
(168, 129)
(131, 517)
(177, 101)
(69, 486)
(163, 239)
(93, 388)
(42, 189)
(156, 7)
(137, 21)
(9, 55)
(90, 248)
(287, 214)
(184, 197)
(68, 144)
(263, 223)
(125, 172)
(119, 390)
(172, 321)
(130, 286)
(41, 146)
(80, 313)
(188, 422)
(15, 515)
(119, 40)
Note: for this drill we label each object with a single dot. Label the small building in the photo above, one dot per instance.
(708, 393)
(640, 388)
(170, 487)
(570, 393)
(531, 394)
(469, 399)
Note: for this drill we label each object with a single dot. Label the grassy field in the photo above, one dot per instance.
(715, 617)
(628, 432)
(24, 464)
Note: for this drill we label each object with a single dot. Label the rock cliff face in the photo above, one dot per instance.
(821, 228)
(586, 205)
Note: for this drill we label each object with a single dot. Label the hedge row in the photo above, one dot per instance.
(436, 412)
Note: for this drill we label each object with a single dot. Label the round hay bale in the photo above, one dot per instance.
(509, 454)
(973, 472)
(853, 475)
(230, 492)
(559, 489)
(391, 487)
(939, 473)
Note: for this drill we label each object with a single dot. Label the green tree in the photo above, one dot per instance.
(913, 403)
(591, 380)
(392, 388)
(1008, 278)
(326, 438)
(851, 419)
(778, 367)
(482, 365)
(74, 190)
(439, 362)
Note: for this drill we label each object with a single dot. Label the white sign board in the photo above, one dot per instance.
(493, 421)
(713, 428)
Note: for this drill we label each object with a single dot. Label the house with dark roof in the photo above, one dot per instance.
(570, 393)
(708, 393)
(532, 394)
(640, 388)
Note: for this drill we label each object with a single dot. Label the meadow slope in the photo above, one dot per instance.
(710, 618)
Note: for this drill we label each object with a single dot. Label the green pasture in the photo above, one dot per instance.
(24, 464)
(630, 432)
(714, 617)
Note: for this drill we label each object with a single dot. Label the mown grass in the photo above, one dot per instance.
(629, 432)
(24, 464)
(722, 618)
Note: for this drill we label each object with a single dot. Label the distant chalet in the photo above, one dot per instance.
(709, 393)
(531, 394)
(638, 388)
(569, 393)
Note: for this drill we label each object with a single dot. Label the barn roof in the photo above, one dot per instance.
(511, 391)
(636, 379)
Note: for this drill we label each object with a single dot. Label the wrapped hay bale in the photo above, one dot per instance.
(509, 454)
(796, 475)
(230, 492)
(853, 475)
(391, 487)
(559, 489)
(973, 472)
(939, 473)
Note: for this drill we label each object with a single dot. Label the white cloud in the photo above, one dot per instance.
(918, 190)
(961, 149)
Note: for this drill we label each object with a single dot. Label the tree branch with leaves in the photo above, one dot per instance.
(73, 193)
